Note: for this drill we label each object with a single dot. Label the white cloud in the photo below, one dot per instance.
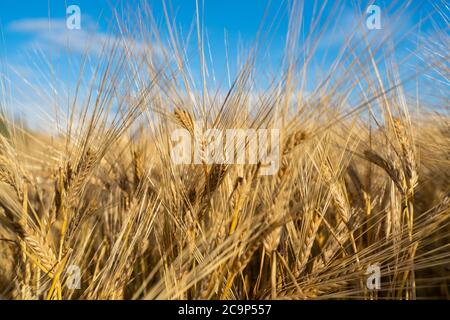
(39, 87)
(51, 34)
(350, 25)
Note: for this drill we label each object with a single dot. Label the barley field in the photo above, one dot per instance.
(93, 206)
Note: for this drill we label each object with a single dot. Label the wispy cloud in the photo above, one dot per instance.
(351, 26)
(52, 34)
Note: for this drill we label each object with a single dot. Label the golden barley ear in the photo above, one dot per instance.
(408, 156)
(84, 168)
(138, 170)
(294, 140)
(184, 119)
(388, 166)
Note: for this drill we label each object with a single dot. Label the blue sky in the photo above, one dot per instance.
(23, 22)
(32, 31)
